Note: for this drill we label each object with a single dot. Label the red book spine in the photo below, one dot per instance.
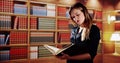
(63, 24)
(98, 14)
(64, 37)
(1, 5)
(18, 53)
(33, 23)
(117, 26)
(18, 37)
(6, 6)
(22, 22)
(15, 22)
(62, 11)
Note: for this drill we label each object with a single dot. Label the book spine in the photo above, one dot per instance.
(2, 39)
(7, 38)
(33, 52)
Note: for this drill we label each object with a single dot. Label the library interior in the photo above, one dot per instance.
(26, 25)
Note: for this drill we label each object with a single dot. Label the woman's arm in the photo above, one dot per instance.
(76, 57)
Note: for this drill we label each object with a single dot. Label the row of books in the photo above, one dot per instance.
(50, 10)
(21, 22)
(21, 37)
(100, 25)
(62, 24)
(63, 11)
(13, 53)
(46, 23)
(22, 53)
(4, 55)
(4, 39)
(37, 37)
(40, 10)
(63, 37)
(5, 22)
(117, 26)
(35, 52)
(18, 37)
(20, 9)
(40, 51)
(43, 10)
(43, 51)
(95, 14)
(14, 37)
(33, 23)
(117, 17)
(11, 22)
(6, 6)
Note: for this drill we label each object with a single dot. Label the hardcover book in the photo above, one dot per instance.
(57, 51)
(72, 49)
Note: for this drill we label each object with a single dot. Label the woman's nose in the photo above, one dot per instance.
(75, 19)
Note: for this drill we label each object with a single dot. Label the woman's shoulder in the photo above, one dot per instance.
(94, 27)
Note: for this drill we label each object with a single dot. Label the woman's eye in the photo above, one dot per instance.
(73, 17)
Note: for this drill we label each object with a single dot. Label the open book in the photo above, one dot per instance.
(58, 52)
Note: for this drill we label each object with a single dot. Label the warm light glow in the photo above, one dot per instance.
(112, 18)
(109, 19)
(67, 2)
(115, 37)
(93, 3)
(118, 5)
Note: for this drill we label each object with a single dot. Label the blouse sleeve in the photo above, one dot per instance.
(94, 41)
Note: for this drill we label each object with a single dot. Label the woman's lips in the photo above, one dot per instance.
(77, 21)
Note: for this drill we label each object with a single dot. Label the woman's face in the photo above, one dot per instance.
(78, 16)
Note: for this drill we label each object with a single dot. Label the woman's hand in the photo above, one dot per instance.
(64, 56)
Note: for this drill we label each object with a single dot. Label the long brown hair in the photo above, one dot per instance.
(88, 19)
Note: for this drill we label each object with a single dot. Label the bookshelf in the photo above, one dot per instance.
(25, 25)
(117, 21)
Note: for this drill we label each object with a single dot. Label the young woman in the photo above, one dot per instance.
(85, 35)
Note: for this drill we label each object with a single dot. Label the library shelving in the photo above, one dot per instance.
(25, 25)
(117, 21)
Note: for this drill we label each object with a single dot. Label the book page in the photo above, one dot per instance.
(52, 49)
(61, 50)
(55, 50)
